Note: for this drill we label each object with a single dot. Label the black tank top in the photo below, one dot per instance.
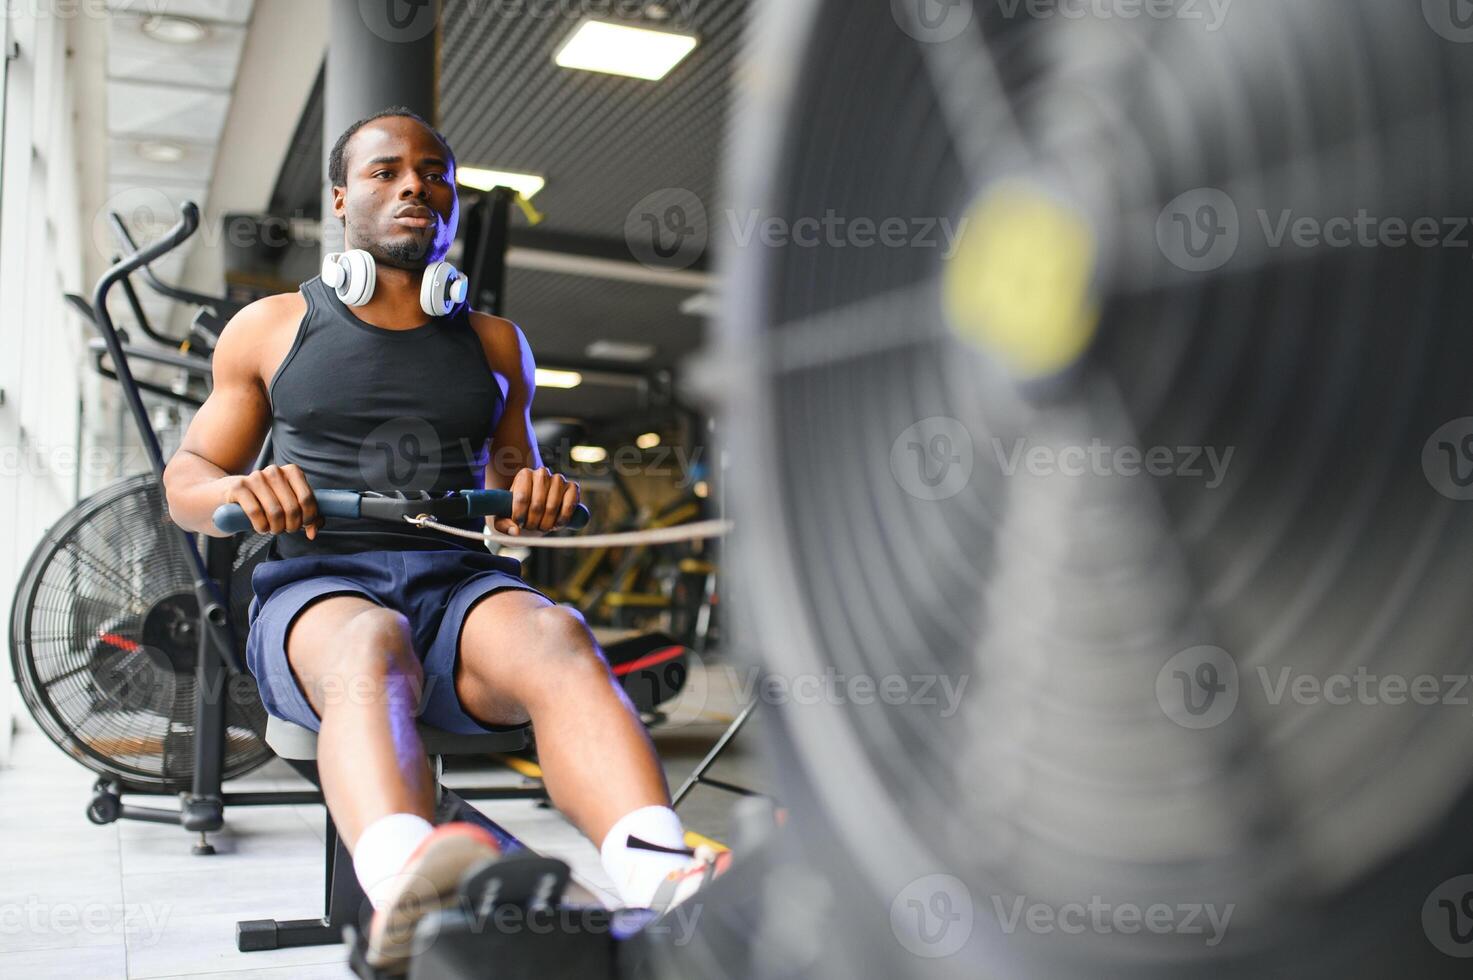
(358, 407)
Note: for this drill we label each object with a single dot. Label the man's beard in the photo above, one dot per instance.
(405, 253)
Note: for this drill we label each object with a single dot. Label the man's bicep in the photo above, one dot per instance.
(231, 426)
(513, 445)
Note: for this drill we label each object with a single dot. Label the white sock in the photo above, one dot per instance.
(384, 847)
(636, 872)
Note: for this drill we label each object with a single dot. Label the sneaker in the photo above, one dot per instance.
(429, 881)
(705, 866)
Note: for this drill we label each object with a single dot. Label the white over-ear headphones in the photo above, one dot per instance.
(352, 275)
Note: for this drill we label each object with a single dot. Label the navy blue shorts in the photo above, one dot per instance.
(435, 590)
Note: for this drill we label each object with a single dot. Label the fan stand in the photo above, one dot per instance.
(202, 807)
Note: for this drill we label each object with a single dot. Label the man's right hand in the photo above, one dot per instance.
(277, 499)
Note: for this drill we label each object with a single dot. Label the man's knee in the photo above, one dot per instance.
(372, 652)
(378, 641)
(563, 647)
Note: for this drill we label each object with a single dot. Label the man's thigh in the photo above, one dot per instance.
(496, 639)
(314, 642)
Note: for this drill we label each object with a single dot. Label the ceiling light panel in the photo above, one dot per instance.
(624, 49)
(135, 55)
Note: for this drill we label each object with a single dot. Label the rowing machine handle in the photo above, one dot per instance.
(497, 503)
(232, 519)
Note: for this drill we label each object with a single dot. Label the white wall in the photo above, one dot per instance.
(41, 342)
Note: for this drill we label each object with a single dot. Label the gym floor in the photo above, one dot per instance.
(129, 899)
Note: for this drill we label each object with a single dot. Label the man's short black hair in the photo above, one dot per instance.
(337, 162)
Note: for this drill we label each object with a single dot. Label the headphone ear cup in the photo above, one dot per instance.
(436, 291)
(361, 276)
(333, 275)
(459, 289)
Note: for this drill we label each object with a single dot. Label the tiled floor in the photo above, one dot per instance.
(130, 900)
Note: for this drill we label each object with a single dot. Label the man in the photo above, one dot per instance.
(358, 627)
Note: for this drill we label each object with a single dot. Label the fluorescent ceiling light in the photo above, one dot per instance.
(648, 441)
(175, 30)
(548, 378)
(619, 350)
(482, 179)
(160, 151)
(589, 454)
(622, 49)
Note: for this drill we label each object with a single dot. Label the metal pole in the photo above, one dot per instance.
(378, 55)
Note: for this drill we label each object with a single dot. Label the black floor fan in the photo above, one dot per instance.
(128, 636)
(1119, 282)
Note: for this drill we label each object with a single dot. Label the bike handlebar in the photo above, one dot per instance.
(354, 505)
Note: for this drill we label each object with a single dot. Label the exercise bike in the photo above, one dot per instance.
(121, 631)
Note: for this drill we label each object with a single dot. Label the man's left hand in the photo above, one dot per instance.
(541, 501)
